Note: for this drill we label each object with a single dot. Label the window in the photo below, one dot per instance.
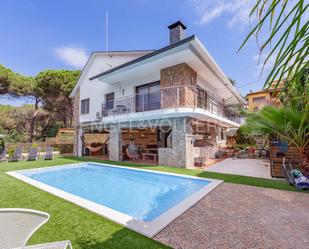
(148, 97)
(258, 99)
(84, 107)
(222, 134)
(109, 101)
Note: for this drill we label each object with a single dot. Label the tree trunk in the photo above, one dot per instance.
(33, 119)
(71, 112)
(64, 119)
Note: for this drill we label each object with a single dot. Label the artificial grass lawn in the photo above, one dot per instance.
(68, 222)
(86, 229)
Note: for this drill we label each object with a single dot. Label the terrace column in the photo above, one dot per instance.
(181, 152)
(115, 147)
(79, 142)
(77, 151)
(182, 143)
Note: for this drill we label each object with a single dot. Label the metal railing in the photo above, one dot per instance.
(169, 98)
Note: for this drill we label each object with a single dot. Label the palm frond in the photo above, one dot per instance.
(286, 122)
(287, 37)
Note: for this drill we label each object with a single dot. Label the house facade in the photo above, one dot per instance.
(172, 104)
(257, 100)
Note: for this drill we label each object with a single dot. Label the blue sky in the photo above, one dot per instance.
(38, 35)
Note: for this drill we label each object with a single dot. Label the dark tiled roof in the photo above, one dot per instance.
(178, 23)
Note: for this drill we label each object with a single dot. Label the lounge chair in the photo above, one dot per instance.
(49, 153)
(3, 155)
(294, 176)
(33, 154)
(17, 156)
(18, 225)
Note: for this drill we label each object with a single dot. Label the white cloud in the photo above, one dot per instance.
(72, 56)
(237, 11)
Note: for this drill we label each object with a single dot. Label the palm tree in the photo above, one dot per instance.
(288, 123)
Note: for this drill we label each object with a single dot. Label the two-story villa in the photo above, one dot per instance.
(172, 105)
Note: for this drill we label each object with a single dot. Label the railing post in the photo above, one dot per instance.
(161, 99)
(177, 98)
(127, 105)
(195, 96)
(143, 102)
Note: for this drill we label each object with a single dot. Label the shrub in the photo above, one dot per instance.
(2, 145)
(11, 151)
(66, 148)
(242, 146)
(243, 136)
(34, 145)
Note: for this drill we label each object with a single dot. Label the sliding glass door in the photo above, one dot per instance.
(148, 97)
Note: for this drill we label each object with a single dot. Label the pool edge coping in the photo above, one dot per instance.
(149, 229)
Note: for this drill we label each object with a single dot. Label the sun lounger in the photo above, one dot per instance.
(294, 176)
(54, 245)
(17, 156)
(33, 154)
(3, 155)
(18, 225)
(49, 153)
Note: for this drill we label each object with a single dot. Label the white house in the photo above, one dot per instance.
(170, 105)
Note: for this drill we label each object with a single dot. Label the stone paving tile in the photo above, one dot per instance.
(172, 241)
(239, 216)
(194, 240)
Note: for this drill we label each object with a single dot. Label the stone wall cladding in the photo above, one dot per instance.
(176, 34)
(181, 153)
(181, 76)
(178, 75)
(115, 146)
(76, 122)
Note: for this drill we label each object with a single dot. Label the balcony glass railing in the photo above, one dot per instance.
(167, 98)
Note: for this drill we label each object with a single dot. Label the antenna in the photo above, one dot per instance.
(106, 31)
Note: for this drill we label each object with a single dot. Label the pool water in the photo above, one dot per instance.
(140, 194)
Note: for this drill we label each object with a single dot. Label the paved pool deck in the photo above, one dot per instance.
(239, 216)
(246, 167)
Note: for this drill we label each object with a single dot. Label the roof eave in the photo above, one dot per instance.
(147, 56)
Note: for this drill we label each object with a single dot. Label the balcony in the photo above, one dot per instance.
(169, 98)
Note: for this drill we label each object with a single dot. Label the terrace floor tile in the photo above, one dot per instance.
(241, 216)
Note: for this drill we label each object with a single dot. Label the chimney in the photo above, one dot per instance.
(177, 32)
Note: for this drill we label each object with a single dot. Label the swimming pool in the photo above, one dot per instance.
(143, 200)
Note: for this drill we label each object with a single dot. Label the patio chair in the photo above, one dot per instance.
(3, 155)
(33, 154)
(18, 225)
(132, 151)
(49, 153)
(17, 156)
(128, 154)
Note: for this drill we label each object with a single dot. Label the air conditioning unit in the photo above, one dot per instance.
(207, 137)
(98, 115)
